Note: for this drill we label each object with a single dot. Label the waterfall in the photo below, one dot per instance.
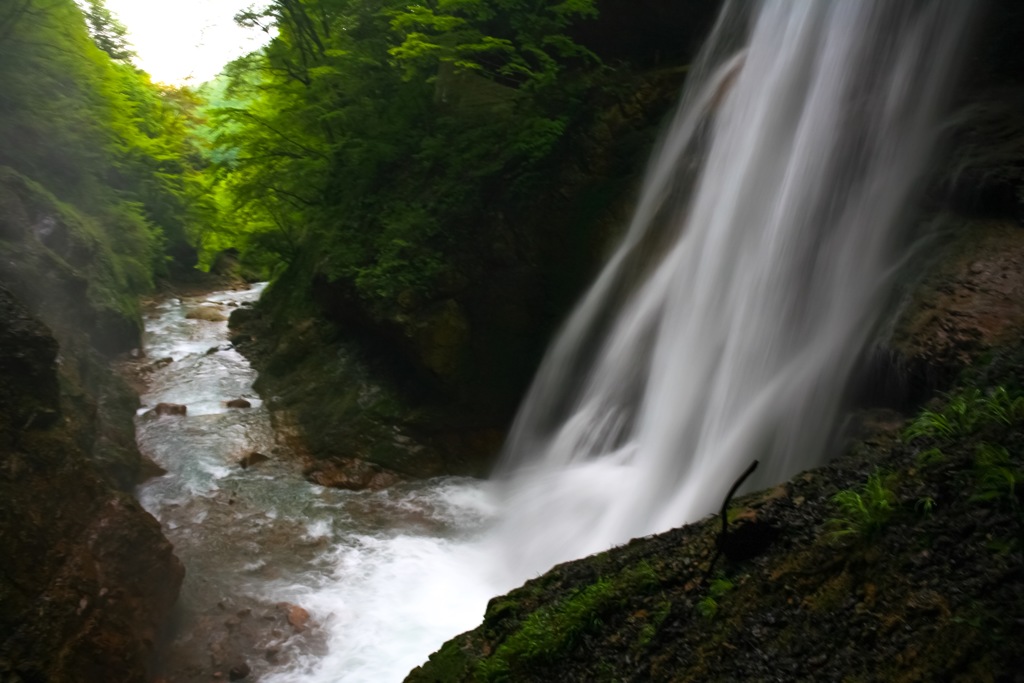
(763, 248)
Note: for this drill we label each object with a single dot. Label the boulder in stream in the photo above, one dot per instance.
(168, 409)
(238, 403)
(252, 459)
(239, 671)
(298, 617)
(208, 313)
(350, 473)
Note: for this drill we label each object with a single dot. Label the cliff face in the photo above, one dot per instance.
(86, 577)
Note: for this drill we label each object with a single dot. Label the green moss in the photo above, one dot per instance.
(550, 632)
(650, 629)
(708, 606)
(499, 611)
(450, 663)
(79, 271)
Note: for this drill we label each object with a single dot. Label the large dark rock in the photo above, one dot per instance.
(349, 418)
(29, 393)
(55, 264)
(934, 593)
(965, 307)
(86, 577)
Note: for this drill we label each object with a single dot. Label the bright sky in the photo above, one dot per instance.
(186, 41)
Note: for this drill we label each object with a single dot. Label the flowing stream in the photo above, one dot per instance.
(772, 221)
(385, 577)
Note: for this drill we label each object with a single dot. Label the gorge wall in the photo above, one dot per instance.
(86, 577)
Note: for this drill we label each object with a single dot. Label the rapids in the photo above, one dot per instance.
(386, 577)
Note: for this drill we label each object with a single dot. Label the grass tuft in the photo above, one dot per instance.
(864, 512)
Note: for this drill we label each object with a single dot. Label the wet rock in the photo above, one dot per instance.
(207, 313)
(86, 578)
(351, 474)
(227, 346)
(148, 469)
(970, 302)
(168, 409)
(238, 403)
(440, 337)
(252, 459)
(161, 362)
(239, 671)
(28, 356)
(297, 616)
(241, 315)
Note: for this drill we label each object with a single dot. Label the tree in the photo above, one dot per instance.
(372, 135)
(109, 34)
(10, 15)
(97, 133)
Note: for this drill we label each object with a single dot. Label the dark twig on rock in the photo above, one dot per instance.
(723, 535)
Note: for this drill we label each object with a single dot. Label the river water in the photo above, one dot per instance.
(385, 577)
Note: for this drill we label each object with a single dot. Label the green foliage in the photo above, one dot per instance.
(865, 512)
(502, 40)
(377, 134)
(965, 413)
(109, 34)
(997, 478)
(929, 457)
(925, 505)
(81, 120)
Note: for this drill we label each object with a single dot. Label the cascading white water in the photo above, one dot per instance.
(727, 324)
